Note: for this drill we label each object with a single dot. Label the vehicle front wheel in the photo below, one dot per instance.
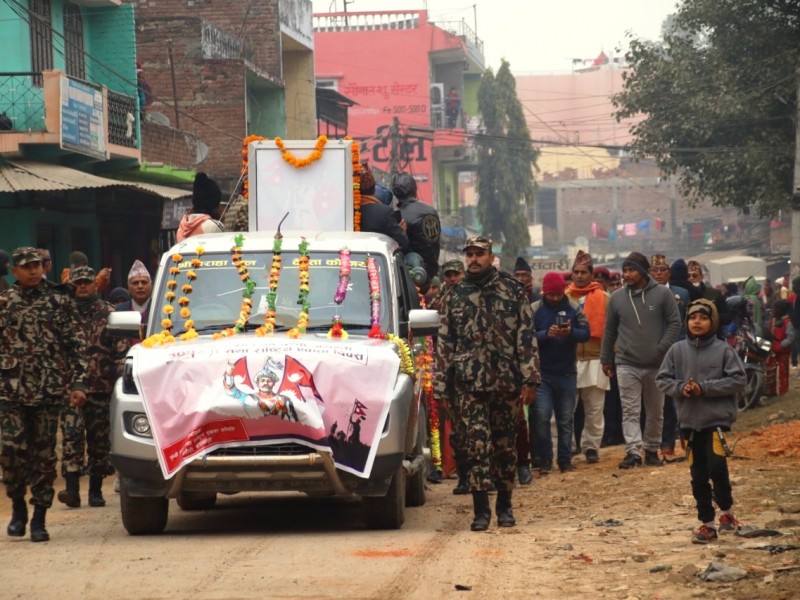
(415, 484)
(753, 389)
(387, 512)
(143, 516)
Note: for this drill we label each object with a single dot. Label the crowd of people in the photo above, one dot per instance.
(650, 361)
(642, 357)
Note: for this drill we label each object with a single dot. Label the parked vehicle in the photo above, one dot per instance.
(399, 463)
(752, 349)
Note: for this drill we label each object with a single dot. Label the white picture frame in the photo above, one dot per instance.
(318, 197)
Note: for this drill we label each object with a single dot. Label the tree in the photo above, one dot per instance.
(506, 158)
(719, 94)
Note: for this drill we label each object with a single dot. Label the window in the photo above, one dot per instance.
(328, 84)
(41, 38)
(73, 41)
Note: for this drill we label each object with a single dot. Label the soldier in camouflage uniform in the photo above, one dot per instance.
(486, 350)
(42, 363)
(89, 427)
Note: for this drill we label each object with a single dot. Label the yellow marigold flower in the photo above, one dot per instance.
(166, 323)
(168, 309)
(177, 258)
(191, 275)
(186, 288)
(174, 271)
(172, 284)
(189, 324)
(199, 251)
(186, 313)
(184, 301)
(170, 295)
(196, 262)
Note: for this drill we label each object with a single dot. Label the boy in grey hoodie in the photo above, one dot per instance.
(642, 322)
(705, 376)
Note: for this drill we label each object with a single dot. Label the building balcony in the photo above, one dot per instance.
(48, 114)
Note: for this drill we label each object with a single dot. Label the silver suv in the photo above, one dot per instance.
(401, 462)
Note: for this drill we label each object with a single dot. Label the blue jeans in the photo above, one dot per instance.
(556, 394)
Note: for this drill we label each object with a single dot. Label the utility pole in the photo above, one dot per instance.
(394, 152)
(795, 255)
(174, 85)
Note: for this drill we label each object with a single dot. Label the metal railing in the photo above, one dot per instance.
(21, 102)
(122, 128)
(463, 31)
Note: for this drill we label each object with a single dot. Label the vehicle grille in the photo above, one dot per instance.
(290, 449)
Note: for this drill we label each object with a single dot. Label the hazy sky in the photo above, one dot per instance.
(536, 35)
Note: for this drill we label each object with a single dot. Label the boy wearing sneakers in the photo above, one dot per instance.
(705, 376)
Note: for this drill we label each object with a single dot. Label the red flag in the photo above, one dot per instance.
(359, 408)
(241, 376)
(296, 376)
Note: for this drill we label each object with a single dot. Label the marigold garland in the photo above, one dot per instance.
(274, 277)
(404, 352)
(374, 298)
(245, 161)
(299, 163)
(424, 362)
(356, 160)
(165, 336)
(305, 288)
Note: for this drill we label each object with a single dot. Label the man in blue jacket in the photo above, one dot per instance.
(560, 326)
(642, 322)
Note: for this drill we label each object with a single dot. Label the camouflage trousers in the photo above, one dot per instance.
(458, 432)
(488, 421)
(28, 449)
(86, 432)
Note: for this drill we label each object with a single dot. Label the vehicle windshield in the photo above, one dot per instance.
(216, 296)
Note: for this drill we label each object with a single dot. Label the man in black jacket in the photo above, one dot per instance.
(423, 227)
(376, 216)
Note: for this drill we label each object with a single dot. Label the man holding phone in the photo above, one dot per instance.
(560, 326)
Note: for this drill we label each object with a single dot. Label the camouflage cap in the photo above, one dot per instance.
(24, 255)
(453, 265)
(478, 242)
(81, 274)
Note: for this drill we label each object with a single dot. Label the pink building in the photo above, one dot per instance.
(400, 69)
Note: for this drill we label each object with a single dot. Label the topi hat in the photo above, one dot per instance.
(522, 265)
(24, 255)
(553, 283)
(478, 242)
(367, 179)
(206, 194)
(602, 273)
(138, 270)
(658, 260)
(81, 274)
(583, 258)
(453, 265)
(638, 261)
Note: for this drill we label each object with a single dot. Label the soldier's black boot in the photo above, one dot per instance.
(505, 516)
(96, 491)
(462, 487)
(19, 518)
(38, 531)
(72, 495)
(483, 514)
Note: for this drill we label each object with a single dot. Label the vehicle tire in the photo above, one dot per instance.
(197, 500)
(387, 512)
(753, 389)
(143, 516)
(415, 484)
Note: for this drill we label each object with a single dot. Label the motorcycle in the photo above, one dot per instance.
(753, 350)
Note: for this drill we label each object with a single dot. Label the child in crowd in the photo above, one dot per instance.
(705, 376)
(782, 334)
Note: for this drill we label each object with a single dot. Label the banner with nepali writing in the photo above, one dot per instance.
(330, 396)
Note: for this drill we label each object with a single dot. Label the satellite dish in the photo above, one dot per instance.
(201, 152)
(157, 118)
(581, 242)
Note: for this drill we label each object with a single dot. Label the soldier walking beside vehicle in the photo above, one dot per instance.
(487, 351)
(86, 430)
(42, 363)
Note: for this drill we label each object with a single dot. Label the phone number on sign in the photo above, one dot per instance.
(400, 109)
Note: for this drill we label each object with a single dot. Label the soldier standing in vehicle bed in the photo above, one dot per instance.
(87, 430)
(42, 363)
(486, 350)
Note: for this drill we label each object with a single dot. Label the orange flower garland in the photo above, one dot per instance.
(299, 163)
(356, 160)
(245, 158)
(305, 287)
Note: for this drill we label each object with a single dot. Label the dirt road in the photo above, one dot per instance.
(594, 533)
